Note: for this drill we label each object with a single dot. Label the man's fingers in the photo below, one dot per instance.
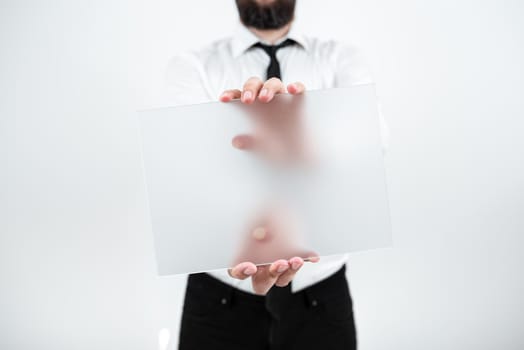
(266, 276)
(311, 256)
(271, 87)
(278, 267)
(251, 89)
(229, 95)
(296, 88)
(255, 87)
(295, 264)
(313, 259)
(243, 270)
(279, 273)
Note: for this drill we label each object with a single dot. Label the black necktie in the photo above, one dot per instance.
(273, 70)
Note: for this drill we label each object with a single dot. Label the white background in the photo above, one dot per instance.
(76, 253)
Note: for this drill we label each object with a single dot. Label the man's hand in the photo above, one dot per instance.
(263, 277)
(255, 88)
(280, 272)
(278, 133)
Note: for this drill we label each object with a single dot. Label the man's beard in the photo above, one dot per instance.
(274, 15)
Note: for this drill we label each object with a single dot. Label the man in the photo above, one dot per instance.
(290, 304)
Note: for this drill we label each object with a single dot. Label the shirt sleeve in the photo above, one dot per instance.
(351, 70)
(186, 82)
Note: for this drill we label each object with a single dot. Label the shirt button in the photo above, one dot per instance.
(314, 303)
(223, 301)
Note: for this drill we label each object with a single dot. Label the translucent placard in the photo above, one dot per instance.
(229, 182)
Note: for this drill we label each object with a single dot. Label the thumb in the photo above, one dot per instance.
(243, 142)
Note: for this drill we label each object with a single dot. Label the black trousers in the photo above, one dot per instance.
(218, 316)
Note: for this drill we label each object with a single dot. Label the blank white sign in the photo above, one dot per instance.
(315, 179)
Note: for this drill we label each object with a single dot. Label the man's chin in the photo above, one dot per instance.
(270, 15)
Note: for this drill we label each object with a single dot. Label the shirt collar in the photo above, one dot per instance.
(243, 39)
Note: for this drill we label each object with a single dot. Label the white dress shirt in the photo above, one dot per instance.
(201, 76)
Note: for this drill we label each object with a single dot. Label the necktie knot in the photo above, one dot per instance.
(271, 50)
(273, 70)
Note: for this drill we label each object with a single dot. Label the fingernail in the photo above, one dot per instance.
(247, 95)
(282, 268)
(249, 271)
(295, 265)
(263, 92)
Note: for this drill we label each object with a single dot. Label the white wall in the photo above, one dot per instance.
(76, 258)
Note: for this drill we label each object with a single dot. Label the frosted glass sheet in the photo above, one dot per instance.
(312, 176)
